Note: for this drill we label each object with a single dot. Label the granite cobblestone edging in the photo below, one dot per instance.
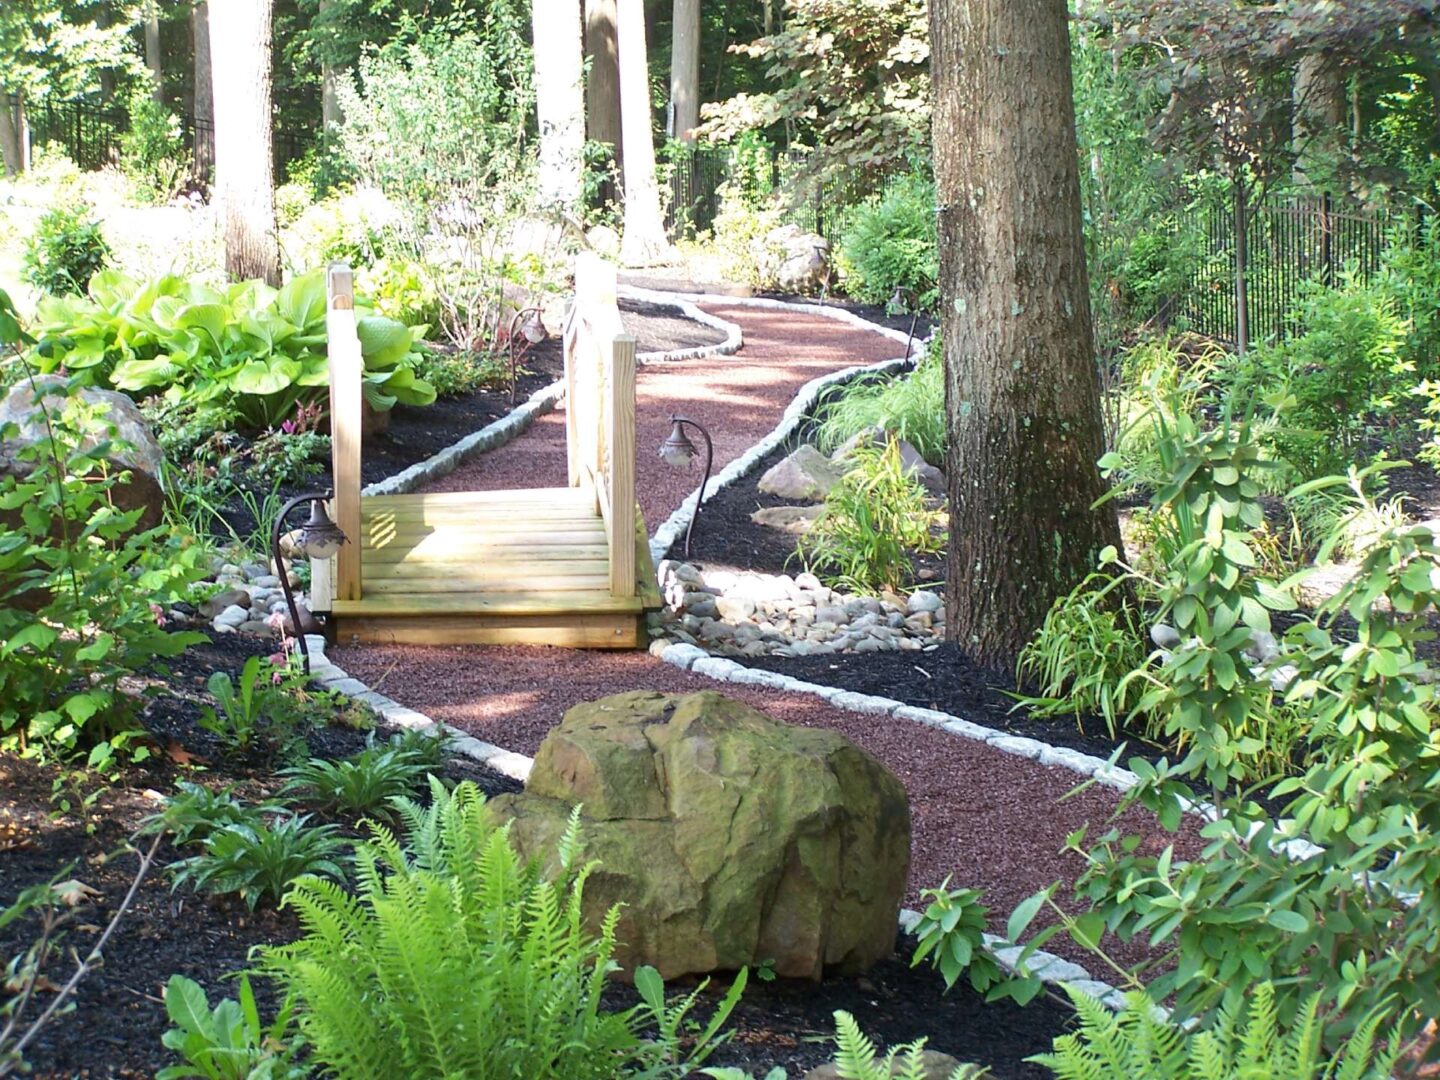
(1050, 969)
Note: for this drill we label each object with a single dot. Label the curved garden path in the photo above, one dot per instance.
(983, 817)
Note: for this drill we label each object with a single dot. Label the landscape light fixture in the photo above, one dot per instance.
(532, 331)
(901, 301)
(320, 538)
(679, 451)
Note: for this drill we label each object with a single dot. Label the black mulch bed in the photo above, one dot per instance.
(415, 433)
(119, 1016)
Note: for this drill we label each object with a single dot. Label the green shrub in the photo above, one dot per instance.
(256, 709)
(739, 234)
(911, 407)
(82, 593)
(455, 959)
(890, 243)
(1244, 1044)
(248, 349)
(228, 1042)
(400, 289)
(65, 252)
(196, 811)
(259, 860)
(874, 519)
(366, 783)
(152, 150)
(951, 935)
(1080, 657)
(455, 372)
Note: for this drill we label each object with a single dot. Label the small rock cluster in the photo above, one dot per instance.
(250, 594)
(751, 614)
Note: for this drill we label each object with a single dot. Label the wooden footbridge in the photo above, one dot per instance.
(549, 566)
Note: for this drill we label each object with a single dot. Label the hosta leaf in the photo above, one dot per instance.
(383, 342)
(208, 318)
(265, 377)
(301, 301)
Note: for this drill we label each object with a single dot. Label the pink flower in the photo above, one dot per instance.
(158, 613)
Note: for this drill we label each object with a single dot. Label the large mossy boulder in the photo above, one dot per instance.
(731, 839)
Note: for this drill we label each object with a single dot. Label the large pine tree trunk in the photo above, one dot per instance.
(153, 57)
(644, 242)
(330, 115)
(602, 88)
(685, 70)
(1317, 129)
(244, 163)
(1022, 393)
(560, 101)
(203, 104)
(12, 152)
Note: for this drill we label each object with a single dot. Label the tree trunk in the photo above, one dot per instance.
(1317, 128)
(644, 242)
(330, 115)
(685, 70)
(11, 151)
(153, 56)
(244, 161)
(203, 105)
(1022, 393)
(560, 101)
(602, 89)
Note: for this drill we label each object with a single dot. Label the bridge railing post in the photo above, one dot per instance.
(346, 406)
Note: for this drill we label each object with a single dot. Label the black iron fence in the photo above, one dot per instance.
(1287, 242)
(90, 135)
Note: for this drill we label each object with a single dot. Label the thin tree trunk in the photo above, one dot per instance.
(602, 89)
(1022, 386)
(330, 114)
(153, 57)
(685, 70)
(244, 159)
(560, 101)
(203, 105)
(644, 242)
(10, 149)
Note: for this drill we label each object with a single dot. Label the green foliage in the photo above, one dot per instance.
(951, 934)
(80, 593)
(400, 289)
(1332, 382)
(261, 860)
(1082, 653)
(911, 408)
(257, 709)
(197, 811)
(875, 518)
(857, 1059)
(228, 1042)
(455, 959)
(367, 783)
(249, 349)
(1160, 380)
(65, 252)
(740, 229)
(890, 243)
(60, 47)
(455, 372)
(1244, 1044)
(152, 149)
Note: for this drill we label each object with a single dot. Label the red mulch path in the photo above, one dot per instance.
(984, 818)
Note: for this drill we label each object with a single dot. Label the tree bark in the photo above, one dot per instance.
(685, 70)
(1022, 394)
(560, 101)
(11, 151)
(244, 157)
(1317, 128)
(602, 89)
(153, 57)
(203, 104)
(644, 242)
(330, 115)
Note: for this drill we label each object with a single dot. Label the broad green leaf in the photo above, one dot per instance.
(383, 342)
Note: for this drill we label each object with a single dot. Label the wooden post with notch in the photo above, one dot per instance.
(620, 442)
(346, 374)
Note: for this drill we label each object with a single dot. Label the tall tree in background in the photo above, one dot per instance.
(685, 70)
(1022, 394)
(644, 242)
(560, 100)
(602, 87)
(244, 161)
(154, 57)
(330, 114)
(202, 105)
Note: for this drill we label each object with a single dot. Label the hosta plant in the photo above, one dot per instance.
(261, 860)
(228, 1042)
(366, 783)
(246, 347)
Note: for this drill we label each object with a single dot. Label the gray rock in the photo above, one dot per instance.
(232, 616)
(806, 475)
(919, 624)
(796, 520)
(808, 582)
(925, 601)
(835, 616)
(735, 608)
(224, 599)
(256, 627)
(1263, 646)
(252, 571)
(266, 581)
(710, 630)
(703, 607)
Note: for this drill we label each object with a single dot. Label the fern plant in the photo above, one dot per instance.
(454, 958)
(857, 1059)
(1244, 1044)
